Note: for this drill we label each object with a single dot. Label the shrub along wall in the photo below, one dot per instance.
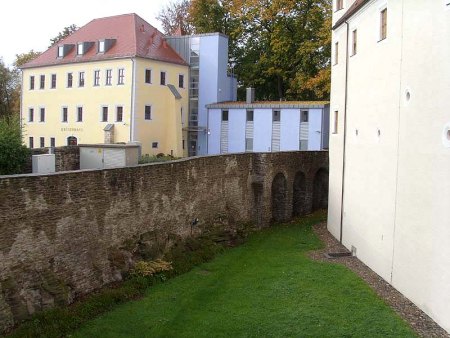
(66, 234)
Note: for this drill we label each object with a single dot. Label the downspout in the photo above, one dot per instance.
(133, 101)
(345, 131)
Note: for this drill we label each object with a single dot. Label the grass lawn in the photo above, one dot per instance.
(267, 287)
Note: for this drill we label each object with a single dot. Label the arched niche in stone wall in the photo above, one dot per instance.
(279, 198)
(299, 205)
(320, 190)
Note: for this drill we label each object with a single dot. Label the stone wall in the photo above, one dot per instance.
(66, 234)
(66, 158)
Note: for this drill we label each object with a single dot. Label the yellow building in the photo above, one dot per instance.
(114, 80)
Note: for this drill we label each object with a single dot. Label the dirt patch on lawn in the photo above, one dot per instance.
(419, 321)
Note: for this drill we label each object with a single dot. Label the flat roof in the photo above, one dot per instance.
(268, 104)
(104, 145)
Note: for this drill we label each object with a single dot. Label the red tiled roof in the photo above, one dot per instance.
(352, 10)
(134, 38)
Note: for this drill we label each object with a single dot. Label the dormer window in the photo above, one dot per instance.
(101, 46)
(63, 50)
(80, 49)
(105, 45)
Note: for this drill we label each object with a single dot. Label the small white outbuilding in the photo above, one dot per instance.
(103, 156)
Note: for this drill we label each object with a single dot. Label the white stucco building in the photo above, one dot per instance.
(235, 127)
(209, 81)
(389, 198)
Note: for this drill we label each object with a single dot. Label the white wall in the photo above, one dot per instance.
(208, 83)
(315, 129)
(215, 86)
(262, 137)
(236, 131)
(290, 128)
(215, 117)
(396, 190)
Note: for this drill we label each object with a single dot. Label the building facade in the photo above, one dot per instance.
(209, 82)
(114, 80)
(235, 127)
(390, 144)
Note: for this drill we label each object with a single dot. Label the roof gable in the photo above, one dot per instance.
(130, 36)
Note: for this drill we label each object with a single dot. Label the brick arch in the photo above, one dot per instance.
(279, 198)
(299, 205)
(320, 189)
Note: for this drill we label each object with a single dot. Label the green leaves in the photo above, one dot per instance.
(13, 155)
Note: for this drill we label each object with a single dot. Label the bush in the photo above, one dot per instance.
(13, 154)
(156, 158)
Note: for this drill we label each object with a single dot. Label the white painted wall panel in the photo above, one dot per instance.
(315, 129)
(214, 131)
(290, 119)
(236, 133)
(396, 181)
(263, 130)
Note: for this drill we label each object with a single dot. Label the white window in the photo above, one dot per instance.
(339, 4)
(121, 78)
(105, 114)
(101, 46)
(119, 114)
(148, 113)
(64, 114)
(60, 51)
(80, 48)
(81, 79)
(181, 81)
(79, 114)
(148, 76)
(42, 115)
(69, 80)
(108, 77)
(96, 78)
(163, 78)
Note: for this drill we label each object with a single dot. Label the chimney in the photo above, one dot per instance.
(250, 95)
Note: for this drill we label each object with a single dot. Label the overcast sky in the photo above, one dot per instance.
(28, 24)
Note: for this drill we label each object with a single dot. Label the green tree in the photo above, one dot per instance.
(284, 47)
(9, 95)
(63, 34)
(175, 18)
(280, 47)
(23, 58)
(13, 154)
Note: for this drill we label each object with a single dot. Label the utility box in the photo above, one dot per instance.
(43, 164)
(103, 156)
